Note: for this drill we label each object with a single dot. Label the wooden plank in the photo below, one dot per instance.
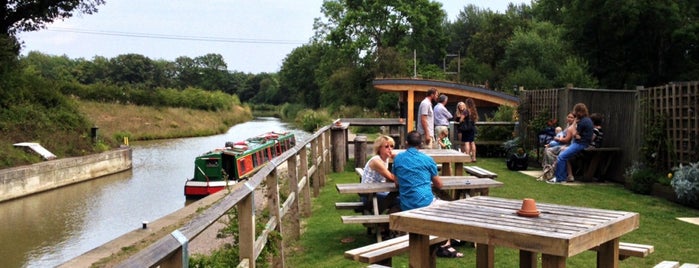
(632, 250)
(353, 254)
(689, 265)
(365, 219)
(387, 252)
(349, 205)
(365, 188)
(480, 172)
(468, 182)
(667, 264)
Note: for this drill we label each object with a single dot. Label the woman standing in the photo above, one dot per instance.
(467, 116)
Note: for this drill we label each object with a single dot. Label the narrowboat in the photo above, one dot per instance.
(216, 169)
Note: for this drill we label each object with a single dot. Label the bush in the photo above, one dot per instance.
(685, 181)
(642, 180)
(310, 120)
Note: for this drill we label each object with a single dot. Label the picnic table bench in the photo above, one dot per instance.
(675, 264)
(382, 252)
(594, 163)
(462, 186)
(480, 172)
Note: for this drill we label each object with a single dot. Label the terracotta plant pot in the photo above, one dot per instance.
(528, 208)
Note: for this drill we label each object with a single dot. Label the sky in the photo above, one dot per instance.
(253, 36)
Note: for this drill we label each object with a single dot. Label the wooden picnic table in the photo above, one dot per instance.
(446, 158)
(557, 233)
(459, 184)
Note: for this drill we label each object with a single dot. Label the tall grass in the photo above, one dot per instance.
(321, 246)
(147, 123)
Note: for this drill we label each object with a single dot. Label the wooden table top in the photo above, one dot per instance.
(559, 230)
(448, 183)
(442, 155)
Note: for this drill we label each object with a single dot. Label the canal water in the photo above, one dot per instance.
(47, 229)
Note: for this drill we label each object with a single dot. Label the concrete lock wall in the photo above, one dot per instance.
(25, 180)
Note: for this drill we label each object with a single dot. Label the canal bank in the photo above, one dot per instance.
(31, 179)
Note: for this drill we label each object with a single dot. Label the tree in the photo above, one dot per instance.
(298, 74)
(31, 15)
(629, 43)
(132, 69)
(361, 28)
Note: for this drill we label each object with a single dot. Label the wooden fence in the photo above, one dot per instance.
(171, 250)
(625, 116)
(675, 105)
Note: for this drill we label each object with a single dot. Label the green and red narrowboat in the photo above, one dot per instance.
(217, 169)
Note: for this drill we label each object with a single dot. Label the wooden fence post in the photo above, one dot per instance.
(293, 217)
(315, 177)
(304, 192)
(339, 146)
(246, 228)
(359, 151)
(273, 205)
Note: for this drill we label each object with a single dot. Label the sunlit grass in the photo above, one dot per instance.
(148, 123)
(320, 244)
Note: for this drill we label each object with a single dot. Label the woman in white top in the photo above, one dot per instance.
(376, 170)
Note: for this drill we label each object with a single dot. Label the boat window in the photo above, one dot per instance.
(255, 161)
(211, 162)
(241, 166)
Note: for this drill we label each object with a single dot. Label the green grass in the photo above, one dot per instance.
(673, 239)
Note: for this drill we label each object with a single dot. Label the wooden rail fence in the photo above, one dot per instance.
(171, 250)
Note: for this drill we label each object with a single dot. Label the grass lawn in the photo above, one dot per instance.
(320, 244)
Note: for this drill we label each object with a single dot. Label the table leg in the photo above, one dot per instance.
(446, 169)
(419, 250)
(459, 169)
(485, 256)
(377, 227)
(551, 261)
(608, 254)
(527, 259)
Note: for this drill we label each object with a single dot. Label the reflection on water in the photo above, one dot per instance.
(50, 228)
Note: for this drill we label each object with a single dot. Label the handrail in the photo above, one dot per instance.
(168, 250)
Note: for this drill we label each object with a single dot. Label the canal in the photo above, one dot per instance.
(47, 229)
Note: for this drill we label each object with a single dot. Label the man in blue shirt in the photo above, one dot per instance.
(415, 173)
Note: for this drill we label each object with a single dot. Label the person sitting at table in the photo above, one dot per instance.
(376, 170)
(443, 138)
(416, 174)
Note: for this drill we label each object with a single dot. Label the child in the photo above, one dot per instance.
(559, 134)
(443, 139)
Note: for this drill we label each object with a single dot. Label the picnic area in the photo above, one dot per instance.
(326, 238)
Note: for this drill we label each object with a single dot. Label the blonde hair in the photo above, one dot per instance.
(379, 142)
(444, 131)
(458, 108)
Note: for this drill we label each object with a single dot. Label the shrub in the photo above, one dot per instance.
(685, 181)
(310, 120)
(642, 180)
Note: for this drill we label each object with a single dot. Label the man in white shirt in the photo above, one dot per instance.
(425, 124)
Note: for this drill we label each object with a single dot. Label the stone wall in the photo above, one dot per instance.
(25, 180)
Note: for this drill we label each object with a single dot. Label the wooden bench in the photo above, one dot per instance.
(383, 252)
(480, 172)
(350, 205)
(627, 250)
(675, 264)
(365, 219)
(466, 186)
(594, 163)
